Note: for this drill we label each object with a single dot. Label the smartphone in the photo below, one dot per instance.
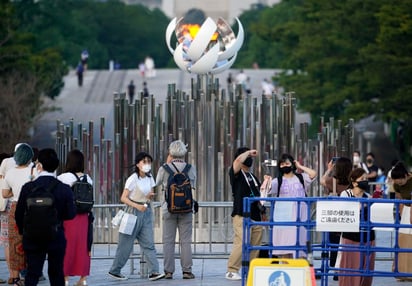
(334, 159)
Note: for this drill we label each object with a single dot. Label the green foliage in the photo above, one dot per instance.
(109, 30)
(344, 59)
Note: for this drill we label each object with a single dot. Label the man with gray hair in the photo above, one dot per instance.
(174, 221)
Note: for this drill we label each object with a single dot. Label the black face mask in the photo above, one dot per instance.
(248, 162)
(369, 161)
(364, 185)
(286, 170)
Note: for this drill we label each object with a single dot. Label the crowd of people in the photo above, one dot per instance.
(69, 252)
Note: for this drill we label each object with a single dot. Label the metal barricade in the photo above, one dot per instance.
(386, 224)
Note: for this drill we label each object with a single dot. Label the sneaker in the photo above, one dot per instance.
(117, 276)
(168, 275)
(188, 275)
(156, 276)
(233, 276)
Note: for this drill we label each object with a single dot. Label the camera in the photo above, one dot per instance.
(334, 159)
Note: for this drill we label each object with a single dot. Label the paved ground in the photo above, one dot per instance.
(209, 272)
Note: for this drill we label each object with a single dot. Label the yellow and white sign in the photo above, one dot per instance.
(279, 272)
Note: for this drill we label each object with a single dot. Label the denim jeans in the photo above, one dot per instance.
(143, 232)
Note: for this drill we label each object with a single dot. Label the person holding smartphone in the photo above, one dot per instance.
(291, 183)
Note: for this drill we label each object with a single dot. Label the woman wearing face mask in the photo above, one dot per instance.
(354, 259)
(291, 184)
(402, 184)
(137, 194)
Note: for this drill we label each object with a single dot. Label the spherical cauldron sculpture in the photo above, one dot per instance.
(208, 48)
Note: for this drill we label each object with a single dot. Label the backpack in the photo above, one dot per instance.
(41, 222)
(178, 193)
(83, 195)
(300, 177)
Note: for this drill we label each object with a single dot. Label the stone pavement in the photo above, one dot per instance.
(209, 272)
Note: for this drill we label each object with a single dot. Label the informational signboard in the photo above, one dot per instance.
(279, 272)
(338, 216)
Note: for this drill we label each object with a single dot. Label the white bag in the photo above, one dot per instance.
(117, 218)
(128, 223)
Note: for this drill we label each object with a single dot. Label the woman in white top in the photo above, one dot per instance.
(137, 194)
(14, 179)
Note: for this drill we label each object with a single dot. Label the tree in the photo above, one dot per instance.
(109, 30)
(24, 77)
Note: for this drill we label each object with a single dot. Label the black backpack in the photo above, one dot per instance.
(300, 177)
(41, 221)
(83, 195)
(178, 194)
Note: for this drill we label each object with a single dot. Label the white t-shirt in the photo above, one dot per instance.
(15, 179)
(7, 164)
(145, 184)
(69, 179)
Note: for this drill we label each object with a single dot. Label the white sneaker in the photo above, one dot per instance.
(233, 276)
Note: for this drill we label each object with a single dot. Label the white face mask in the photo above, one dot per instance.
(356, 160)
(146, 168)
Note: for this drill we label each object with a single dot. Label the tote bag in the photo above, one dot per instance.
(128, 223)
(117, 218)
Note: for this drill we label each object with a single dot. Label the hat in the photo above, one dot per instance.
(49, 160)
(177, 149)
(23, 155)
(140, 156)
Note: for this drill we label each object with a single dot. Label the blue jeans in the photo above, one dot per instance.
(143, 232)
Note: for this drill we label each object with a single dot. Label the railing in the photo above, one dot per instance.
(387, 227)
(212, 229)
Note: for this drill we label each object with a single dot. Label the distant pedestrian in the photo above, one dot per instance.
(145, 90)
(130, 90)
(267, 88)
(248, 86)
(149, 67)
(142, 69)
(84, 56)
(79, 72)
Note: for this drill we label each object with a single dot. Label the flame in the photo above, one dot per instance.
(193, 29)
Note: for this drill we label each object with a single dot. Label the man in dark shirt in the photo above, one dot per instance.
(36, 252)
(244, 184)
